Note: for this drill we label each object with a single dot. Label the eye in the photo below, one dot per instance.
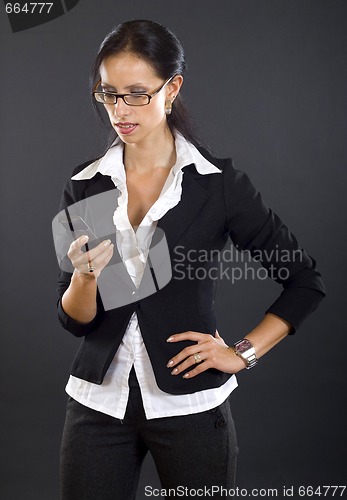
(105, 97)
(108, 97)
(137, 99)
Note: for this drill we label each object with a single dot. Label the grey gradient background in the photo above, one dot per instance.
(267, 85)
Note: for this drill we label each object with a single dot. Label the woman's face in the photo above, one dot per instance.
(125, 73)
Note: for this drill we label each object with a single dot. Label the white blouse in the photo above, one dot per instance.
(111, 396)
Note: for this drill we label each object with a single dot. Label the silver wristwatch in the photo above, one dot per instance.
(246, 351)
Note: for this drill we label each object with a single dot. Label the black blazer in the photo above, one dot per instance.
(212, 208)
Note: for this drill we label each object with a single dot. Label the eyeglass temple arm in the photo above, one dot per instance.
(151, 95)
(96, 85)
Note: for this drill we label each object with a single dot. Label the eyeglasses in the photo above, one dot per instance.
(134, 99)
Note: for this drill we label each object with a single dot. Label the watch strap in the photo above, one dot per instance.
(245, 350)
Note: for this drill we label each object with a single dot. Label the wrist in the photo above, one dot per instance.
(238, 363)
(83, 278)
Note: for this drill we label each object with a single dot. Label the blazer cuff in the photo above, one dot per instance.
(295, 304)
(75, 327)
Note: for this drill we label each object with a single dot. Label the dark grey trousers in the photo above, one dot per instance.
(101, 456)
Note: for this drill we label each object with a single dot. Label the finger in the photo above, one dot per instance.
(106, 259)
(98, 263)
(201, 367)
(102, 252)
(75, 247)
(217, 335)
(205, 343)
(90, 254)
(197, 336)
(182, 355)
(84, 261)
(189, 363)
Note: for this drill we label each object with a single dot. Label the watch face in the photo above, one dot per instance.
(243, 346)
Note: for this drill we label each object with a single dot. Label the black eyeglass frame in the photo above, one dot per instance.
(123, 96)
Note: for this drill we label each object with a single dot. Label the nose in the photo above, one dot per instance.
(121, 109)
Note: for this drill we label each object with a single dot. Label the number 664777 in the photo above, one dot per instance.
(29, 8)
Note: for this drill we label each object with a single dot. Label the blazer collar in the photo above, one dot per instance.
(111, 164)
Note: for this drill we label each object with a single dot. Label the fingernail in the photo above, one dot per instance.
(169, 339)
(186, 375)
(84, 239)
(170, 363)
(174, 371)
(107, 242)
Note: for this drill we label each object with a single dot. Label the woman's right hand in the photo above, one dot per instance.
(90, 263)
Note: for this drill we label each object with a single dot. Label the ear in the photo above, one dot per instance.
(174, 87)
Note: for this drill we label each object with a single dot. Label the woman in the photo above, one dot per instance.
(153, 373)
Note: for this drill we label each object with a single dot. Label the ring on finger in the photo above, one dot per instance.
(91, 268)
(197, 358)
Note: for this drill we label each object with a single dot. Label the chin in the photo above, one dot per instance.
(127, 140)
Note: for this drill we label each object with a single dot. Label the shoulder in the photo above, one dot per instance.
(232, 178)
(84, 165)
(75, 190)
(241, 196)
(221, 163)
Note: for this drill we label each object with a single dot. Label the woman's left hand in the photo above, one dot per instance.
(208, 352)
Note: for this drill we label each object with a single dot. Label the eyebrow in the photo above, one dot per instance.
(129, 87)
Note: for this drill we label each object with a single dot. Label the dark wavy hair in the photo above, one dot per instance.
(162, 50)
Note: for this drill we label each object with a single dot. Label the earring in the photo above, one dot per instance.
(168, 106)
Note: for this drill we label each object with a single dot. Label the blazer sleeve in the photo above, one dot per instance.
(254, 227)
(73, 192)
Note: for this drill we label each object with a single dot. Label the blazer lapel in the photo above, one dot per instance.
(178, 220)
(102, 201)
(102, 184)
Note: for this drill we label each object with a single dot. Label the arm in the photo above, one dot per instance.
(271, 330)
(255, 228)
(79, 300)
(79, 303)
(215, 353)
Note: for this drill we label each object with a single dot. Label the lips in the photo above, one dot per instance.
(126, 128)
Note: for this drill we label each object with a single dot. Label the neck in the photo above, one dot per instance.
(151, 154)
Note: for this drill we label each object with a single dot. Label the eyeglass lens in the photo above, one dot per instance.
(130, 99)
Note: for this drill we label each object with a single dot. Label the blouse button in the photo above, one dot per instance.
(134, 296)
(220, 422)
